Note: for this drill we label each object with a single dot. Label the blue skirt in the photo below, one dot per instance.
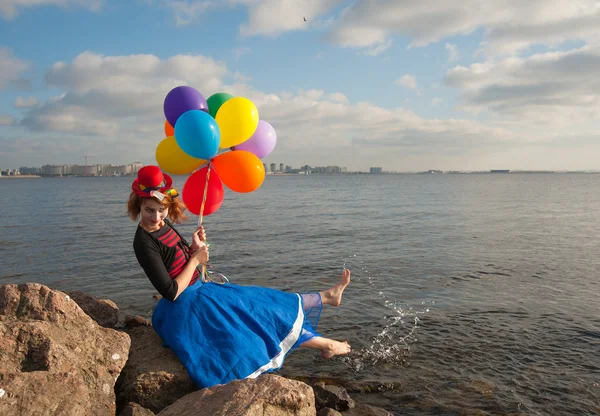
(224, 332)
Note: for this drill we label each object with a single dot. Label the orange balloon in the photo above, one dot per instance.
(169, 130)
(240, 171)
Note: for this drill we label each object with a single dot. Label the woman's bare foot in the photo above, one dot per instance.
(333, 295)
(335, 348)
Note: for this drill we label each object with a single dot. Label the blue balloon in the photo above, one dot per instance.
(198, 134)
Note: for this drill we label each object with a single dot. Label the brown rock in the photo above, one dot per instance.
(54, 359)
(105, 312)
(267, 395)
(133, 321)
(331, 396)
(134, 409)
(153, 376)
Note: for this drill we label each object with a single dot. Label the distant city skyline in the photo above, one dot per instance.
(105, 169)
(9, 165)
(132, 168)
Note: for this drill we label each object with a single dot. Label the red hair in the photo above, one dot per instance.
(175, 206)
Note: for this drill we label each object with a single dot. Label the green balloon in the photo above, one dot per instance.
(215, 102)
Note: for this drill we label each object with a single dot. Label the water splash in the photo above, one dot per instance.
(392, 345)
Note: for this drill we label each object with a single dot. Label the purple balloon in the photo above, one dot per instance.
(182, 99)
(262, 142)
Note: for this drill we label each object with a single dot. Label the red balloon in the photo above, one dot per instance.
(193, 192)
(212, 208)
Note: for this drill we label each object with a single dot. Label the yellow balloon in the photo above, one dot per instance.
(173, 160)
(237, 119)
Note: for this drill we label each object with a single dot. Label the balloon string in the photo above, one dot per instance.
(205, 195)
(209, 161)
(204, 273)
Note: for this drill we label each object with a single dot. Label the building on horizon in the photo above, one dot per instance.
(53, 170)
(24, 170)
(329, 169)
(89, 170)
(84, 170)
(375, 170)
(9, 172)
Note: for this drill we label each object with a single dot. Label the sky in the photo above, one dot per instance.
(407, 85)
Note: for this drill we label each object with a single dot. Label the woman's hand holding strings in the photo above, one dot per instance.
(198, 238)
(201, 254)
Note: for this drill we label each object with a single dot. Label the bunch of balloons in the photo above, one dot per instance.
(219, 140)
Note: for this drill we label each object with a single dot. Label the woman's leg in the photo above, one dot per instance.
(328, 347)
(333, 295)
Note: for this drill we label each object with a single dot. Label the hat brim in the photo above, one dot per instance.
(135, 186)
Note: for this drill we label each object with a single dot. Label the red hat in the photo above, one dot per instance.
(150, 178)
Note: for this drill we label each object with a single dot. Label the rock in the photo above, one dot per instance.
(153, 376)
(105, 312)
(332, 396)
(133, 321)
(327, 411)
(134, 409)
(267, 395)
(54, 359)
(366, 410)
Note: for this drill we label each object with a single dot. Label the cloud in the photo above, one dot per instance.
(548, 89)
(568, 21)
(437, 101)
(338, 97)
(186, 11)
(510, 25)
(6, 120)
(408, 81)
(10, 68)
(312, 94)
(106, 95)
(453, 54)
(135, 74)
(272, 17)
(9, 9)
(26, 102)
(111, 107)
(239, 52)
(379, 49)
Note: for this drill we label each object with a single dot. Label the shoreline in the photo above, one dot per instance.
(19, 176)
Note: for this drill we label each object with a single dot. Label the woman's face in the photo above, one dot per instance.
(153, 213)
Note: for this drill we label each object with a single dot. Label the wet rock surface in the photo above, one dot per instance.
(54, 358)
(60, 356)
(267, 395)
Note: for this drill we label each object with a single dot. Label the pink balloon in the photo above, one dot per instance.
(262, 142)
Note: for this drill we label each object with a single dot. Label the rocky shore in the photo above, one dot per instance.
(67, 353)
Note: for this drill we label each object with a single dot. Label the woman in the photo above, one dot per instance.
(219, 332)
